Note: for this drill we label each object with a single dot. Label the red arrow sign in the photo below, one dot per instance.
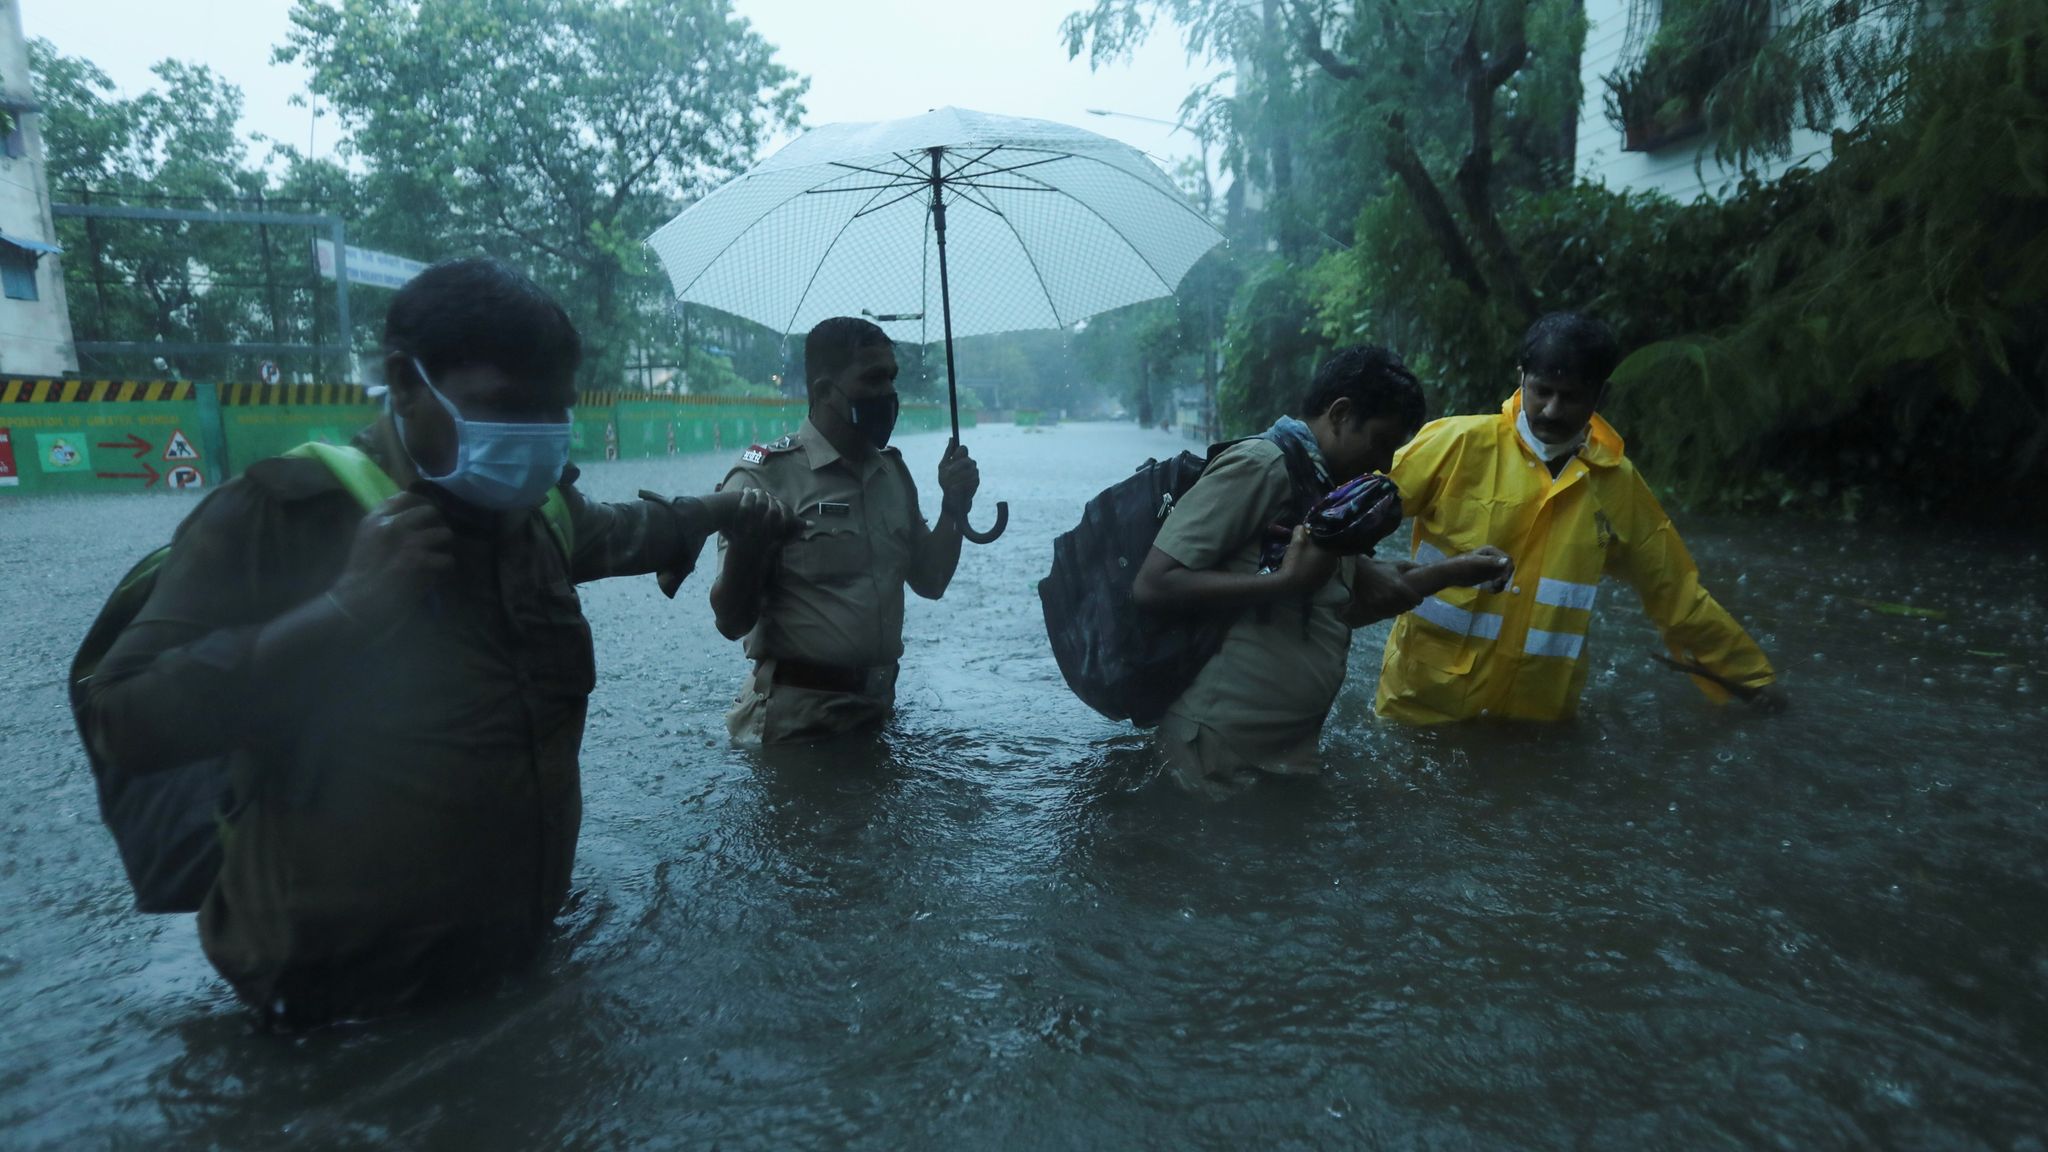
(148, 475)
(133, 443)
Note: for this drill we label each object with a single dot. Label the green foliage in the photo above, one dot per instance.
(1889, 313)
(709, 374)
(1698, 46)
(1871, 334)
(178, 283)
(1406, 126)
(555, 133)
(1269, 351)
(1135, 354)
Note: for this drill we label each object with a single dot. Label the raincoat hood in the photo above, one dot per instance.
(1604, 446)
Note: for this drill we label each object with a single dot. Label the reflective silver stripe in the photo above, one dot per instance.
(1564, 645)
(1566, 594)
(1427, 553)
(1451, 618)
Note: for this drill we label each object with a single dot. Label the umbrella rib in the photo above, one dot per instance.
(866, 188)
(962, 190)
(1135, 250)
(907, 170)
(737, 237)
(872, 208)
(989, 206)
(815, 272)
(1001, 187)
(961, 166)
(1049, 158)
(1174, 197)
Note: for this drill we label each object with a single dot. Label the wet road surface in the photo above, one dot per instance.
(1664, 926)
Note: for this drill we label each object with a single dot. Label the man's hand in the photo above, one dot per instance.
(959, 480)
(1306, 567)
(400, 547)
(1485, 567)
(1379, 593)
(759, 523)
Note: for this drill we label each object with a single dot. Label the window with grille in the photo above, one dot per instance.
(18, 273)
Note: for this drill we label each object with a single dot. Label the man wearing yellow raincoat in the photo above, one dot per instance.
(1546, 482)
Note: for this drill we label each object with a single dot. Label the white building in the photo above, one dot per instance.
(1681, 167)
(35, 327)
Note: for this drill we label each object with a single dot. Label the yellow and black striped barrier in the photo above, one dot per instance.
(283, 395)
(93, 391)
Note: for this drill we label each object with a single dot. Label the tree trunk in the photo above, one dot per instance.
(1436, 212)
(1484, 73)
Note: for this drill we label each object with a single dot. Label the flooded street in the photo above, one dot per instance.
(1664, 926)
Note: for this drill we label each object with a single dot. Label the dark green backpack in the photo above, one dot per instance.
(166, 818)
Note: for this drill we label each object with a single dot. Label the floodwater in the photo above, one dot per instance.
(1664, 926)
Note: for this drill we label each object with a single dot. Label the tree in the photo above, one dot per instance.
(555, 133)
(157, 282)
(1883, 336)
(1449, 117)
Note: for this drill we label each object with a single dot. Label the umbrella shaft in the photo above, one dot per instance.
(945, 286)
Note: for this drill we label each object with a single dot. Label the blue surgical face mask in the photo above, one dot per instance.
(501, 467)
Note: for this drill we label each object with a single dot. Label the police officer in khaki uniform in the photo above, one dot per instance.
(822, 614)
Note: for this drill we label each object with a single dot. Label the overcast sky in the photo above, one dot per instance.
(867, 60)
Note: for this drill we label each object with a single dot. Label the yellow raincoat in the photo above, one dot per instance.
(1468, 481)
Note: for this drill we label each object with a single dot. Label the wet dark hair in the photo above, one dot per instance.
(482, 311)
(1376, 382)
(833, 343)
(1572, 345)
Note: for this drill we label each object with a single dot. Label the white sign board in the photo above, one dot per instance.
(376, 269)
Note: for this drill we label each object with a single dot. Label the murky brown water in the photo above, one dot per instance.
(1665, 926)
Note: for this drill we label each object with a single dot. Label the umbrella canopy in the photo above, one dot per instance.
(1047, 224)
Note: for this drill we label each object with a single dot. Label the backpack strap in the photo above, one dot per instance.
(371, 485)
(359, 475)
(1301, 473)
(555, 510)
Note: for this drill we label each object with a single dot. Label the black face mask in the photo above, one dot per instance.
(874, 417)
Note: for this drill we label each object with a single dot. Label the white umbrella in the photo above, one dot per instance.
(1051, 224)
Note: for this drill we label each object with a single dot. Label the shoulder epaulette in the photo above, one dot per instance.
(759, 453)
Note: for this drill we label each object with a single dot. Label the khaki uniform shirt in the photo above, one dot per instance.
(834, 596)
(404, 812)
(1260, 702)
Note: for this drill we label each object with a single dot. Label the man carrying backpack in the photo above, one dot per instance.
(1259, 703)
(1546, 479)
(398, 695)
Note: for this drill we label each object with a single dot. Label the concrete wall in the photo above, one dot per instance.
(1684, 170)
(35, 336)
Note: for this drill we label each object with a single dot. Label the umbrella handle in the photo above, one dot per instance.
(988, 537)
